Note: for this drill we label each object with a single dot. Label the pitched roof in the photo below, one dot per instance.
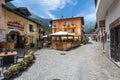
(24, 11)
(10, 5)
(8, 0)
(32, 17)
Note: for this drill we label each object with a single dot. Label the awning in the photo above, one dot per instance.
(61, 33)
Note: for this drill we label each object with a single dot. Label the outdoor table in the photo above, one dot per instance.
(8, 58)
(8, 54)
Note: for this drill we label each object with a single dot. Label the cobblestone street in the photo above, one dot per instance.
(86, 62)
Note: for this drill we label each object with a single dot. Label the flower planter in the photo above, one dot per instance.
(16, 69)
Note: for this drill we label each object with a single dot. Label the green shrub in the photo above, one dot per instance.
(84, 41)
(31, 53)
(28, 58)
(14, 68)
(22, 63)
(64, 39)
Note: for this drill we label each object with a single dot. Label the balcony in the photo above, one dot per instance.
(69, 26)
(54, 26)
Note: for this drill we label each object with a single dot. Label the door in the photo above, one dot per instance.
(114, 43)
(118, 50)
(19, 42)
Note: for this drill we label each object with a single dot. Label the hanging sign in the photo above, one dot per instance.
(102, 23)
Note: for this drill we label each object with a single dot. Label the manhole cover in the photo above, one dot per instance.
(62, 53)
(56, 79)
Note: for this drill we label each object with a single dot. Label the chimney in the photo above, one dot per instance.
(62, 17)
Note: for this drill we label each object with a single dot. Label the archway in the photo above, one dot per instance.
(16, 37)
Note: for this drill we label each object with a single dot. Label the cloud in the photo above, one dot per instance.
(44, 7)
(50, 15)
(89, 15)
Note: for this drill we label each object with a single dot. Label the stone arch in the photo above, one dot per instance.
(15, 30)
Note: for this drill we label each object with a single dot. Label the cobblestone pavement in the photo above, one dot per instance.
(83, 63)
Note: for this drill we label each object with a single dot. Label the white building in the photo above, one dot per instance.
(109, 11)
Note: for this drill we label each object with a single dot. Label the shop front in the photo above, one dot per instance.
(19, 31)
(115, 39)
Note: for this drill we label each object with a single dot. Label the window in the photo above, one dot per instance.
(65, 24)
(72, 22)
(39, 31)
(72, 30)
(31, 29)
(55, 24)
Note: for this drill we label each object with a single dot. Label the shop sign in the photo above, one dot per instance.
(102, 23)
(15, 24)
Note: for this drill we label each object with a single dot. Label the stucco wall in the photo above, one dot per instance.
(112, 14)
(10, 16)
(77, 26)
(2, 16)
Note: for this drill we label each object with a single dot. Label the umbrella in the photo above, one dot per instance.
(61, 33)
(45, 36)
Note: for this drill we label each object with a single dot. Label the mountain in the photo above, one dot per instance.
(33, 17)
(42, 21)
(89, 28)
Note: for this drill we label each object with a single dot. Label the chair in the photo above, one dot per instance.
(1, 63)
(18, 57)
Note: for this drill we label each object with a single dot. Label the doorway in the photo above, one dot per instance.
(17, 38)
(115, 43)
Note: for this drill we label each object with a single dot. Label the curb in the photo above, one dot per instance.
(115, 63)
(111, 59)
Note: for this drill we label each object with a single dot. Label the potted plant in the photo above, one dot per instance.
(10, 44)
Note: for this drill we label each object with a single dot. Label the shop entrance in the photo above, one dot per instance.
(17, 38)
(115, 43)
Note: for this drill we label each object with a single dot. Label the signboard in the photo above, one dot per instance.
(102, 23)
(15, 24)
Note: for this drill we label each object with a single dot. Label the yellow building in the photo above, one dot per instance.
(18, 26)
(72, 25)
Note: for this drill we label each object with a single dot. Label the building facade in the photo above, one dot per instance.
(108, 11)
(16, 24)
(72, 25)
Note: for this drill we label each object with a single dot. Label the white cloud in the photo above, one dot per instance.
(50, 15)
(90, 17)
(45, 6)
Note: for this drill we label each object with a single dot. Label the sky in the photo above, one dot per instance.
(54, 9)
